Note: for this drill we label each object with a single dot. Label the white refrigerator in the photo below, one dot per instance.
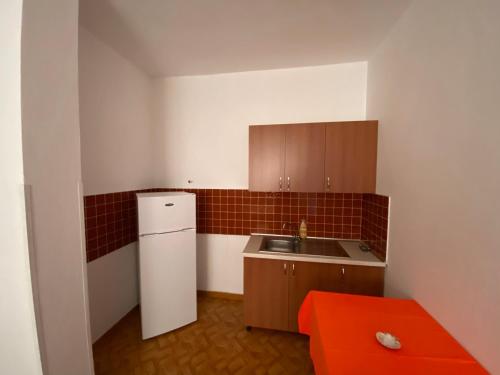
(167, 261)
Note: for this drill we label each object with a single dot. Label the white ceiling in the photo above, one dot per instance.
(190, 37)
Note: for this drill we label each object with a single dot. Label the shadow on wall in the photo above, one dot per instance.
(120, 27)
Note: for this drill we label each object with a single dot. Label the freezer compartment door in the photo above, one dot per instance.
(167, 275)
(160, 214)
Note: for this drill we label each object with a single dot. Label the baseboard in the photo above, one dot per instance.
(224, 295)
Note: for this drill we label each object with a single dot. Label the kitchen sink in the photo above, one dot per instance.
(280, 245)
(309, 246)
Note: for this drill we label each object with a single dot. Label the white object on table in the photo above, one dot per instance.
(388, 340)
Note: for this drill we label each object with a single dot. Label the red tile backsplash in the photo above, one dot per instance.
(110, 222)
(375, 223)
(244, 212)
(111, 219)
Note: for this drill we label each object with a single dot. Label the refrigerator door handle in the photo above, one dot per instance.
(169, 204)
(172, 231)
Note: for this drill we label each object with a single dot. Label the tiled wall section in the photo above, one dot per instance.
(110, 222)
(111, 219)
(375, 223)
(244, 212)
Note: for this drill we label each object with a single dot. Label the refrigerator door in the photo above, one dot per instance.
(167, 272)
(166, 212)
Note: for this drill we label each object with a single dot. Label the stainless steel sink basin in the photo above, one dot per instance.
(310, 246)
(281, 245)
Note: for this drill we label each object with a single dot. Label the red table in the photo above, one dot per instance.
(342, 331)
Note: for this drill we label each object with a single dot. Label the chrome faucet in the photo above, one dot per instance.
(296, 234)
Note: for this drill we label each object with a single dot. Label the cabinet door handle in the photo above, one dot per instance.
(343, 271)
(288, 183)
(293, 269)
(281, 183)
(328, 183)
(284, 268)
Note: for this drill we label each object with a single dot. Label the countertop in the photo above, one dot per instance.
(351, 247)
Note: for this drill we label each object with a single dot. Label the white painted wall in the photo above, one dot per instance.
(51, 145)
(19, 351)
(201, 133)
(116, 137)
(434, 84)
(220, 262)
(113, 288)
(201, 122)
(115, 123)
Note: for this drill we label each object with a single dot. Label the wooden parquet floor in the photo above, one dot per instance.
(216, 344)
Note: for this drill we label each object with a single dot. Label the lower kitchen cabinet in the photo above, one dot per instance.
(306, 276)
(266, 293)
(368, 281)
(275, 289)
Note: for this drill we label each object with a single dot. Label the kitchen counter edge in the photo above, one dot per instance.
(254, 243)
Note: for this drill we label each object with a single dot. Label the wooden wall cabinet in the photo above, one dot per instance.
(351, 157)
(266, 157)
(333, 157)
(305, 158)
(275, 289)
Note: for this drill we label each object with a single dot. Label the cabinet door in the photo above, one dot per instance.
(266, 157)
(351, 157)
(266, 293)
(305, 158)
(307, 276)
(363, 280)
